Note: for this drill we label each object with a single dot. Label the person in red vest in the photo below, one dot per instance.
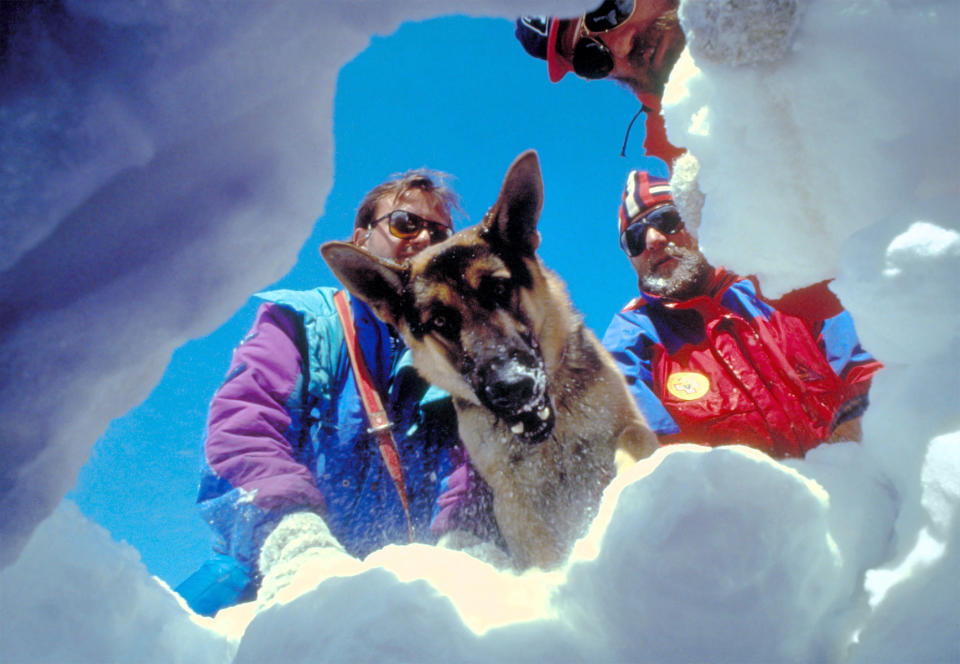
(710, 361)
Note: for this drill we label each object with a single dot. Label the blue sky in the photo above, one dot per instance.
(455, 94)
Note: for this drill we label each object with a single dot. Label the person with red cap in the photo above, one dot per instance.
(637, 43)
(634, 42)
(710, 361)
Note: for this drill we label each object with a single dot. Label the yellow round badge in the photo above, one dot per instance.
(687, 386)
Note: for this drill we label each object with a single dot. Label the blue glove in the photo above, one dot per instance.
(220, 582)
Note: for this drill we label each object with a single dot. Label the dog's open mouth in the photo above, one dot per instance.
(513, 386)
(534, 423)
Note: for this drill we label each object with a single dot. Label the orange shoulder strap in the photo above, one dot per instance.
(376, 414)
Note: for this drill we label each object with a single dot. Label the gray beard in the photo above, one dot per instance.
(688, 278)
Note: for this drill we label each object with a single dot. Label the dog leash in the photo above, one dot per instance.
(376, 414)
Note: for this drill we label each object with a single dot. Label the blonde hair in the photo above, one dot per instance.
(431, 183)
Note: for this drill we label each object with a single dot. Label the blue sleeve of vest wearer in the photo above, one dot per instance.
(742, 299)
(220, 582)
(841, 346)
(626, 340)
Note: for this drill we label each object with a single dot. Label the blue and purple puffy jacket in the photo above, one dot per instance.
(287, 431)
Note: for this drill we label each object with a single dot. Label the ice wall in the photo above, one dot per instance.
(146, 151)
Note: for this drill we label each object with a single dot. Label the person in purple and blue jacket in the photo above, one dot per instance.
(711, 361)
(289, 462)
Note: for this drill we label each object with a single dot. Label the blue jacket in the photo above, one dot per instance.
(287, 431)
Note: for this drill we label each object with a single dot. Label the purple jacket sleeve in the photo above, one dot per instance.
(253, 412)
(465, 502)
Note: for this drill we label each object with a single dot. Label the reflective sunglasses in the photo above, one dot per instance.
(407, 225)
(666, 219)
(591, 58)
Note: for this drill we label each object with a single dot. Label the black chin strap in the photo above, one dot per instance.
(643, 109)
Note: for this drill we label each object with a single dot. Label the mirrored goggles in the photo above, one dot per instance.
(591, 58)
(666, 219)
(407, 225)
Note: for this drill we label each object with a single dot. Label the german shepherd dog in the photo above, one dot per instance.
(541, 408)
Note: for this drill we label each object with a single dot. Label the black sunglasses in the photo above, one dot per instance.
(591, 58)
(666, 219)
(407, 225)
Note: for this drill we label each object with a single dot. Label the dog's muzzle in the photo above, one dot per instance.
(514, 389)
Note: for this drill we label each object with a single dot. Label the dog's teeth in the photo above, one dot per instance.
(545, 413)
(517, 428)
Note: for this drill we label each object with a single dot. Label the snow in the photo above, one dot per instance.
(837, 158)
(75, 595)
(856, 124)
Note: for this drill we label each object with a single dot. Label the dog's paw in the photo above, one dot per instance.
(739, 32)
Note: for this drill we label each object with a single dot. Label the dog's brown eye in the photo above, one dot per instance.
(498, 290)
(445, 322)
(494, 293)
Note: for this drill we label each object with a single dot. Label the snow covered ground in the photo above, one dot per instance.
(830, 151)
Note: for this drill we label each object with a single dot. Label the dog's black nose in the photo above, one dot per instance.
(509, 386)
(507, 393)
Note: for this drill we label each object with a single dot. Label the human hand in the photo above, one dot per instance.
(298, 555)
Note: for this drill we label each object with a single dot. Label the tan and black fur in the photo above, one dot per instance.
(541, 406)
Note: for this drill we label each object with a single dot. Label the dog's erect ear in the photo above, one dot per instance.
(512, 221)
(376, 281)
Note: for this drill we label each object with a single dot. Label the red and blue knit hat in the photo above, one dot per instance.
(642, 193)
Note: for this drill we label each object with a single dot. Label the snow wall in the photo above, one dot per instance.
(141, 148)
